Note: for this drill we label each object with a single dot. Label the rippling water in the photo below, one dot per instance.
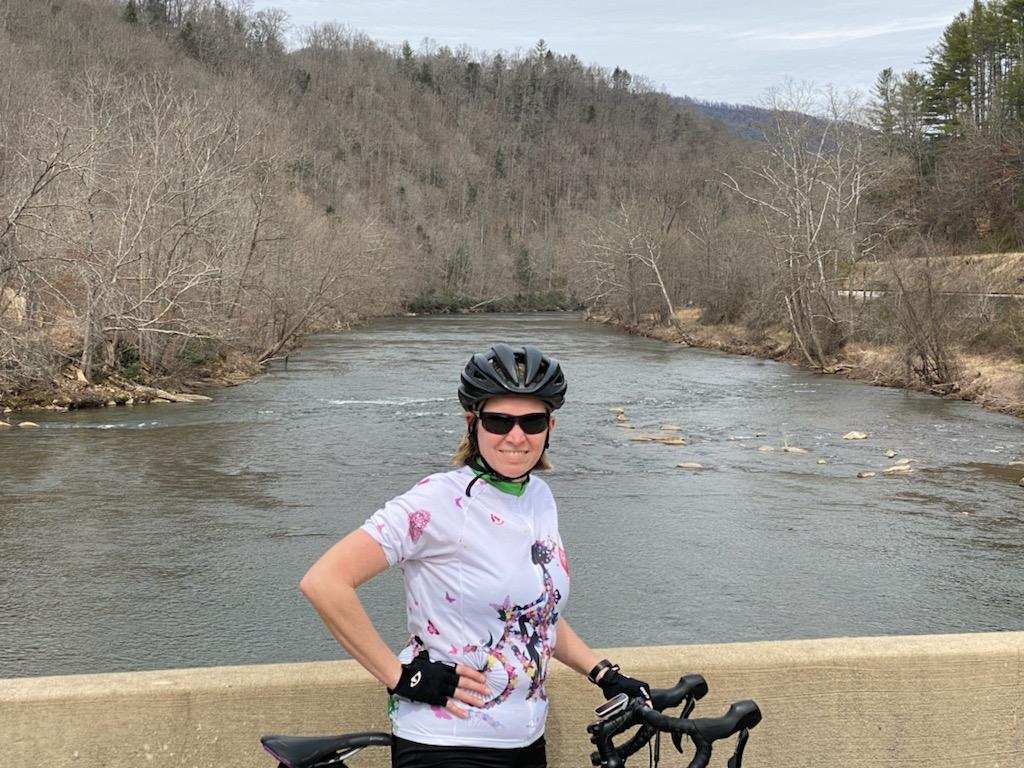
(175, 535)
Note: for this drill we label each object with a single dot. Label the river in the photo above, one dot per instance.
(175, 535)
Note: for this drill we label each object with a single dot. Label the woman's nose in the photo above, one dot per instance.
(516, 434)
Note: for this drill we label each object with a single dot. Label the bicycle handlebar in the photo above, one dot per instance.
(703, 732)
(690, 688)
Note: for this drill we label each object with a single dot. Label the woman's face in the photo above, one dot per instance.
(515, 453)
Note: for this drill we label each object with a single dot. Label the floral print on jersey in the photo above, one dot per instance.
(418, 521)
(486, 579)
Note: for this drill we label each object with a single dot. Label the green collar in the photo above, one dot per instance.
(513, 487)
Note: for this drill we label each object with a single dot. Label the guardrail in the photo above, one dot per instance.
(921, 701)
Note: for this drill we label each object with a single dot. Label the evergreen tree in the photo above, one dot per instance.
(425, 75)
(130, 14)
(156, 11)
(523, 271)
(499, 163)
(881, 112)
(949, 89)
(472, 77)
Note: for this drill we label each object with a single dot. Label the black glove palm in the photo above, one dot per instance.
(614, 682)
(426, 681)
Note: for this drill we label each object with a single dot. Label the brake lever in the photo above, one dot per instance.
(737, 757)
(691, 702)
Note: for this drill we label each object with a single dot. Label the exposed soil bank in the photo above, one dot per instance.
(993, 381)
(70, 390)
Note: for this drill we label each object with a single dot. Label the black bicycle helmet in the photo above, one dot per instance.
(501, 371)
(504, 370)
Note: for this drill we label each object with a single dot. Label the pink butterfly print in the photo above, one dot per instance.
(380, 527)
(448, 598)
(418, 520)
(431, 628)
(454, 650)
(458, 502)
(424, 481)
(440, 713)
(497, 519)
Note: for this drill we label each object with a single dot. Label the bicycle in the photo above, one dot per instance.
(615, 716)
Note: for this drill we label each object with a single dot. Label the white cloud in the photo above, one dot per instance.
(826, 36)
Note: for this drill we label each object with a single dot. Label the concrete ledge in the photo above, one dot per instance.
(921, 701)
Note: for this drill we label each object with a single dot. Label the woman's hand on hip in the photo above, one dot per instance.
(472, 690)
(440, 684)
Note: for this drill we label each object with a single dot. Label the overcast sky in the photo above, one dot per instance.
(719, 50)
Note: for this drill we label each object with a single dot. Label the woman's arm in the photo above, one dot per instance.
(572, 651)
(330, 585)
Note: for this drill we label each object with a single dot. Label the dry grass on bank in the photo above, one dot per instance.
(1000, 273)
(993, 381)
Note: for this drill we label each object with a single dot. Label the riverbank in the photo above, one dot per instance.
(992, 381)
(69, 390)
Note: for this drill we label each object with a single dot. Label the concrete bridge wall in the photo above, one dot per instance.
(920, 701)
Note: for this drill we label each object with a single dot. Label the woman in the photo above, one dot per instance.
(486, 582)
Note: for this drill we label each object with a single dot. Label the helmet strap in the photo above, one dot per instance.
(485, 465)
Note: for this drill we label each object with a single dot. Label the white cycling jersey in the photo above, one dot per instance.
(486, 579)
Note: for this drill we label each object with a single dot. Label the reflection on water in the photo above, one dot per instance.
(176, 535)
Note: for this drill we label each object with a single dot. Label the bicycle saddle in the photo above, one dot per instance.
(309, 751)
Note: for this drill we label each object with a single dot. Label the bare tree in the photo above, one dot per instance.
(626, 255)
(809, 191)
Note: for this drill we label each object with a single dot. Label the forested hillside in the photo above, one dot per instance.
(182, 194)
(177, 186)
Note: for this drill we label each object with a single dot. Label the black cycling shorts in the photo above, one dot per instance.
(412, 754)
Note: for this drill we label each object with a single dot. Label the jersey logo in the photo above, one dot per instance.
(415, 679)
(496, 519)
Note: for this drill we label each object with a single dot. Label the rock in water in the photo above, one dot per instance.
(822, 461)
(865, 474)
(27, 424)
(855, 436)
(184, 397)
(890, 454)
(689, 465)
(793, 449)
(766, 449)
(898, 469)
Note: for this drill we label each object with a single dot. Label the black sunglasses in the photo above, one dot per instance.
(502, 423)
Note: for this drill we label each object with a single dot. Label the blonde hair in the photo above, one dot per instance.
(465, 454)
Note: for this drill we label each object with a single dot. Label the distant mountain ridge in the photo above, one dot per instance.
(744, 120)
